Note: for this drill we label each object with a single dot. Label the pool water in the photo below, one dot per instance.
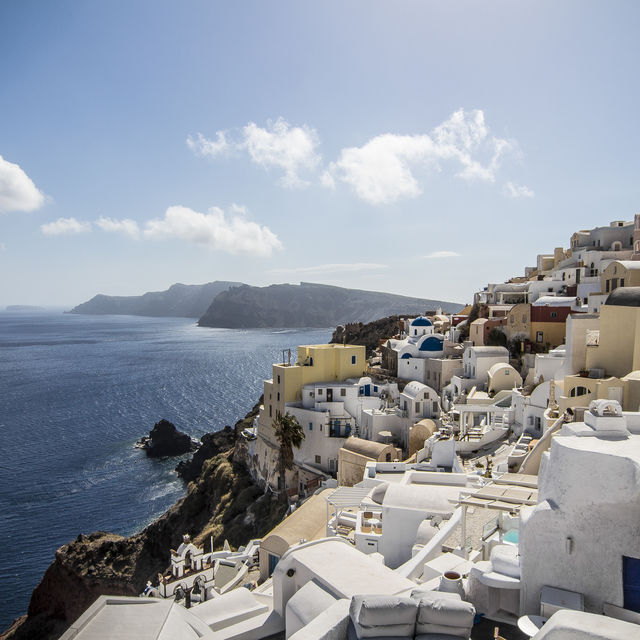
(511, 536)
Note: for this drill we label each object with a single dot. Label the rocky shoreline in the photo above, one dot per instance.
(222, 501)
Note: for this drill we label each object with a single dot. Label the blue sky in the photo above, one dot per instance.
(361, 144)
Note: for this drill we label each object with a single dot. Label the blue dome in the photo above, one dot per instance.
(421, 322)
(405, 356)
(431, 344)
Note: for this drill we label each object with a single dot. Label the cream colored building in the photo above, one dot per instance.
(612, 363)
(620, 273)
(354, 455)
(308, 522)
(315, 363)
(519, 321)
(502, 377)
(618, 349)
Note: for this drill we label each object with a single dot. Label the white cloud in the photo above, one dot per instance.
(382, 170)
(17, 191)
(278, 145)
(203, 147)
(334, 268)
(512, 190)
(65, 226)
(126, 226)
(443, 254)
(292, 149)
(230, 232)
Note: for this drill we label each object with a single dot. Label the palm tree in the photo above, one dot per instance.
(290, 434)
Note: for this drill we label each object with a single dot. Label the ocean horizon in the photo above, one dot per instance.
(77, 392)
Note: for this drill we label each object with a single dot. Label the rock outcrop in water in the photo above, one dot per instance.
(222, 502)
(165, 440)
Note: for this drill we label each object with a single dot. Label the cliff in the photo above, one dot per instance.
(222, 501)
(308, 305)
(369, 335)
(179, 301)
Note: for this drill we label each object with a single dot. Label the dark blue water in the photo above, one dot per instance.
(76, 392)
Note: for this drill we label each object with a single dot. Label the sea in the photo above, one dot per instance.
(77, 391)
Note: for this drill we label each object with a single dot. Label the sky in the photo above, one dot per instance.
(423, 148)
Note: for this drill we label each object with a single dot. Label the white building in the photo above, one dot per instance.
(416, 402)
(476, 362)
(583, 534)
(330, 412)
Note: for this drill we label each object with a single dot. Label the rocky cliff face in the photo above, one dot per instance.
(308, 305)
(179, 301)
(222, 502)
(369, 335)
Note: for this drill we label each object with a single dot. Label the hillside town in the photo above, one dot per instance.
(475, 476)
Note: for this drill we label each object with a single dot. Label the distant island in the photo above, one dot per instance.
(309, 305)
(178, 301)
(23, 307)
(234, 305)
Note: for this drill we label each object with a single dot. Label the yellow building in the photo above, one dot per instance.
(315, 363)
(519, 321)
(579, 391)
(613, 360)
(620, 273)
(618, 351)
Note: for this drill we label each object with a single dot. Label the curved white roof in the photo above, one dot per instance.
(413, 388)
(555, 301)
(494, 368)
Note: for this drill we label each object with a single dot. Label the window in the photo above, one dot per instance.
(270, 411)
(554, 314)
(318, 460)
(435, 407)
(524, 318)
(278, 378)
(278, 396)
(506, 372)
(353, 359)
(388, 457)
(311, 426)
(319, 392)
(608, 285)
(622, 282)
(417, 407)
(343, 392)
(311, 362)
(579, 391)
(332, 464)
(539, 336)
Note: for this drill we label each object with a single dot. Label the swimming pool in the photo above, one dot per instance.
(511, 536)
